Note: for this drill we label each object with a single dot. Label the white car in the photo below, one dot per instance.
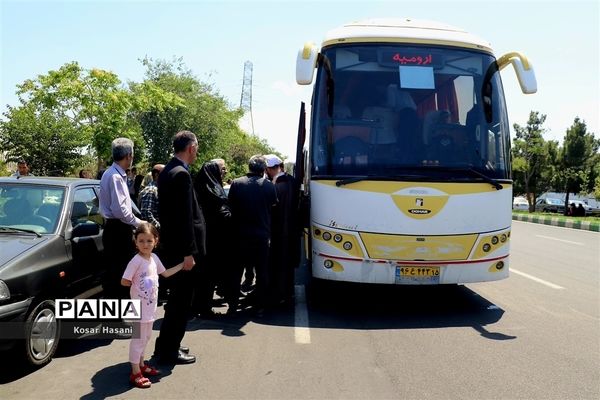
(520, 203)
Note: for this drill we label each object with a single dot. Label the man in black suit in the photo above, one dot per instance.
(251, 199)
(183, 239)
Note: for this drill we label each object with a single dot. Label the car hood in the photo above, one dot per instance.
(14, 244)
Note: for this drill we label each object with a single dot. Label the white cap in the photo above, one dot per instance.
(272, 160)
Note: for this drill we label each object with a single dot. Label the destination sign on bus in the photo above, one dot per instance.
(390, 58)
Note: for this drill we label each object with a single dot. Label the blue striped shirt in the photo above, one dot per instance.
(114, 196)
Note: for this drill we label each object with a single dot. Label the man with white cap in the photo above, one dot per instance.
(285, 237)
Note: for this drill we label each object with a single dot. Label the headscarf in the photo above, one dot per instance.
(209, 183)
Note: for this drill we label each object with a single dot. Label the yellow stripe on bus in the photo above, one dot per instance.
(427, 248)
(392, 187)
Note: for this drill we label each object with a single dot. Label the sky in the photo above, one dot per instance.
(215, 38)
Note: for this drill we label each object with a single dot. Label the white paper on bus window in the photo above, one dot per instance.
(416, 77)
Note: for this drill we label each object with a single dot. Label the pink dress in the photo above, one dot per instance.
(143, 275)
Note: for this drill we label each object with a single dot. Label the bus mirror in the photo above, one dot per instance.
(523, 69)
(305, 63)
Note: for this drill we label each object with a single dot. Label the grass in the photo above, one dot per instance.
(594, 218)
(591, 223)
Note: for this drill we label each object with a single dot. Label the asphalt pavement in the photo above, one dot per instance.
(532, 336)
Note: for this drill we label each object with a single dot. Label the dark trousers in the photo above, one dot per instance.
(177, 309)
(205, 282)
(119, 249)
(250, 253)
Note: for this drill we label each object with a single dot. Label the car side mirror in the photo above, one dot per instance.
(85, 229)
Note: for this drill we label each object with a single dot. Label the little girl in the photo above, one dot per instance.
(142, 275)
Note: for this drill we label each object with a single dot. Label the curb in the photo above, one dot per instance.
(555, 221)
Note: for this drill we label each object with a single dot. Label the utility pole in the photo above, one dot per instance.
(246, 100)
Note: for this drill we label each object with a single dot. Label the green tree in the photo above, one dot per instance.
(203, 111)
(577, 152)
(529, 155)
(91, 108)
(48, 142)
(551, 167)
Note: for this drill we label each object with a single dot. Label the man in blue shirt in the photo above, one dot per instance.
(115, 207)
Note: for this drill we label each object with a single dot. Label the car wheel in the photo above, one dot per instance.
(42, 333)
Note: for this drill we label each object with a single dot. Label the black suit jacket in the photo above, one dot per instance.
(182, 230)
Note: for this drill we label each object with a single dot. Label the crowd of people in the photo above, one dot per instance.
(191, 226)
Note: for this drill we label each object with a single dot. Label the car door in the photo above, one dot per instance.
(83, 240)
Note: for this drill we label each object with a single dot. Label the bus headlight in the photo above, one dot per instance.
(337, 238)
(4, 292)
(347, 245)
(487, 247)
(328, 264)
(495, 240)
(499, 265)
(503, 238)
(326, 236)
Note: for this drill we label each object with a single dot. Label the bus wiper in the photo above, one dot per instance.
(486, 178)
(11, 229)
(354, 179)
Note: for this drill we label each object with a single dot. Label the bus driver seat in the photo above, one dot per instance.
(385, 118)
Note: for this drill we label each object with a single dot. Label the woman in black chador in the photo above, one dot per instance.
(208, 184)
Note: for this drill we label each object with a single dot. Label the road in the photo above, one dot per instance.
(535, 335)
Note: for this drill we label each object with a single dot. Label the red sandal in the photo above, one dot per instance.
(147, 370)
(139, 380)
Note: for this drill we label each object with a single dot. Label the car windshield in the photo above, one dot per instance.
(555, 201)
(30, 207)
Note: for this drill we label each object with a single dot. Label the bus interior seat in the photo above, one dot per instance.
(431, 121)
(350, 150)
(385, 117)
(341, 111)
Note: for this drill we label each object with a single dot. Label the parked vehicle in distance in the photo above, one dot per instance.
(550, 205)
(520, 203)
(50, 248)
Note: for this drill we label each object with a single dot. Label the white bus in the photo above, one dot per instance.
(405, 162)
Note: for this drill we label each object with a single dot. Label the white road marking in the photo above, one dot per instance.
(301, 325)
(533, 278)
(559, 240)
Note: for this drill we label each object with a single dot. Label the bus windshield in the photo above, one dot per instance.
(388, 111)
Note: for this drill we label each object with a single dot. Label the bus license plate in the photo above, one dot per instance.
(412, 275)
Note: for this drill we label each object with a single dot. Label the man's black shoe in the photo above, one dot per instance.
(184, 349)
(184, 358)
(180, 358)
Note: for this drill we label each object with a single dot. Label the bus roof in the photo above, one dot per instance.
(404, 30)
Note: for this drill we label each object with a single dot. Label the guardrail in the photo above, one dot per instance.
(558, 221)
